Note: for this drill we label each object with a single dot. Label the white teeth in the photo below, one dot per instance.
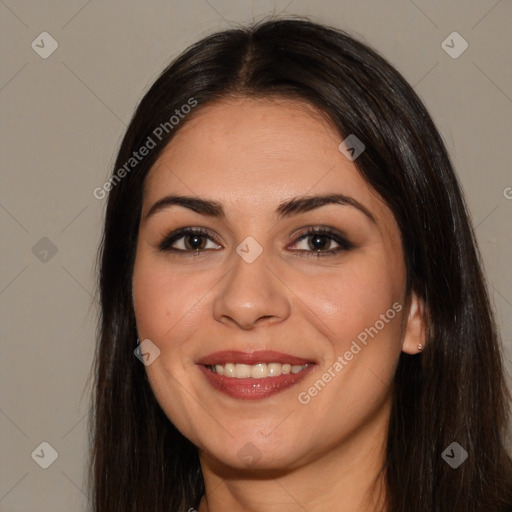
(242, 371)
(259, 371)
(229, 370)
(256, 371)
(274, 369)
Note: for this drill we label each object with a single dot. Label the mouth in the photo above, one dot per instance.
(255, 375)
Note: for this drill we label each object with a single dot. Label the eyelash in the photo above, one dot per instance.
(331, 234)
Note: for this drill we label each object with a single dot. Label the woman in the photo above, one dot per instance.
(288, 253)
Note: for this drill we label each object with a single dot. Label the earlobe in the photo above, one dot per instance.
(414, 338)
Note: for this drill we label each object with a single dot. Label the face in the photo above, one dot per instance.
(279, 322)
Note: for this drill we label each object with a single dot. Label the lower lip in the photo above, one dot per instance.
(253, 389)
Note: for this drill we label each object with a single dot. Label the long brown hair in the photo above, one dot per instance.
(453, 392)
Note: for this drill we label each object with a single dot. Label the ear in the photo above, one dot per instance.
(415, 328)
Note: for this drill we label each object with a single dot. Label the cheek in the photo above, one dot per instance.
(164, 300)
(352, 299)
(362, 306)
(166, 310)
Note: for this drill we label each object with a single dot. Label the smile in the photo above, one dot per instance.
(254, 375)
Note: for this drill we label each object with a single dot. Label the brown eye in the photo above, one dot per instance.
(318, 242)
(195, 242)
(189, 240)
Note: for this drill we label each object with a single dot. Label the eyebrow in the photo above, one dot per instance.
(285, 209)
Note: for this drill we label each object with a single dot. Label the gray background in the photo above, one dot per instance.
(64, 117)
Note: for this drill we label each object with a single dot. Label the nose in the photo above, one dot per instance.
(251, 294)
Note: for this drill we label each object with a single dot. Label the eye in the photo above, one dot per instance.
(318, 242)
(188, 240)
(315, 242)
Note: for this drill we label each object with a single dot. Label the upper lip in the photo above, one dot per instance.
(251, 358)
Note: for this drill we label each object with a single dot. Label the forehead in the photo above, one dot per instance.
(249, 153)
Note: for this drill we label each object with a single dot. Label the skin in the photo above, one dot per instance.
(251, 155)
